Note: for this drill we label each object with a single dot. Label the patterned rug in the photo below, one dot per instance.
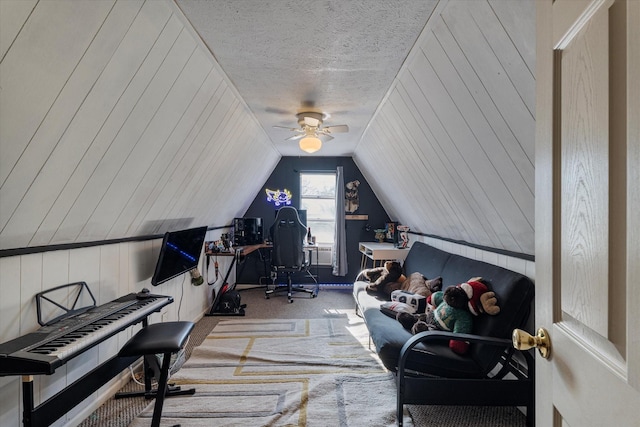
(284, 372)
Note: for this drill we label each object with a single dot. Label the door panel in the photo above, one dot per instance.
(583, 68)
(585, 208)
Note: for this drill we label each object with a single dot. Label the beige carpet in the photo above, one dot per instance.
(283, 372)
(329, 304)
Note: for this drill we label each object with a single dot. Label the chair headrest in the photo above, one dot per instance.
(287, 213)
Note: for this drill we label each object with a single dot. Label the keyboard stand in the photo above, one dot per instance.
(62, 402)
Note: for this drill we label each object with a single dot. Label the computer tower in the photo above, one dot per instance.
(247, 231)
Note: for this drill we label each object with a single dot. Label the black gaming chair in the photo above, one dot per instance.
(288, 254)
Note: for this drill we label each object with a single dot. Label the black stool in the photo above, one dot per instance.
(166, 338)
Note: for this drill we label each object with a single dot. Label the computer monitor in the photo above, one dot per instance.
(179, 253)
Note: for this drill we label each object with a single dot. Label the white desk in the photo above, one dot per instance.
(380, 252)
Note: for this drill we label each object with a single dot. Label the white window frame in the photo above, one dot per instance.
(310, 216)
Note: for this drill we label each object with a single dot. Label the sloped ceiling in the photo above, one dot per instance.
(290, 56)
(117, 122)
(450, 151)
(117, 119)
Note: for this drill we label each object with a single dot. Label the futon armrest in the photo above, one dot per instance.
(427, 336)
(445, 336)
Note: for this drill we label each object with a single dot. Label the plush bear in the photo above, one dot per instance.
(453, 311)
(416, 283)
(383, 280)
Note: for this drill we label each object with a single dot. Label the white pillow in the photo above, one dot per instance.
(418, 302)
(398, 307)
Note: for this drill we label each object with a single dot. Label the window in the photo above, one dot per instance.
(318, 197)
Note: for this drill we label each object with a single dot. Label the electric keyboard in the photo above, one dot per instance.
(43, 351)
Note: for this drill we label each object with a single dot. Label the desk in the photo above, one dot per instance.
(380, 252)
(238, 256)
(240, 253)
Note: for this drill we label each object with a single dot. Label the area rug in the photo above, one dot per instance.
(281, 373)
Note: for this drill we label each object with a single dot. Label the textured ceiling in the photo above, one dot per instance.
(334, 57)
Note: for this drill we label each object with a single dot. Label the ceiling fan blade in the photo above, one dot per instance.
(295, 137)
(287, 128)
(336, 129)
(325, 137)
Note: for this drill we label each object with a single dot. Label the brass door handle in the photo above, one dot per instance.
(524, 341)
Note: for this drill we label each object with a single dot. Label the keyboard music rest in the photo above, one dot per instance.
(43, 351)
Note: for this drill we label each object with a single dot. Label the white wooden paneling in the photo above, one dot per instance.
(111, 271)
(150, 124)
(13, 13)
(137, 106)
(10, 297)
(11, 407)
(446, 197)
(487, 18)
(117, 125)
(37, 66)
(522, 160)
(168, 159)
(459, 121)
(143, 163)
(80, 134)
(517, 19)
(471, 163)
(71, 98)
(183, 165)
(502, 152)
(494, 76)
(109, 136)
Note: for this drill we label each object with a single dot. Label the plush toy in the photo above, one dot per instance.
(413, 293)
(384, 280)
(453, 311)
(351, 198)
(416, 283)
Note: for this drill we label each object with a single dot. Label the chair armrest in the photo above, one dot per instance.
(307, 257)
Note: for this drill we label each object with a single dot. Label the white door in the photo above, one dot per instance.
(588, 212)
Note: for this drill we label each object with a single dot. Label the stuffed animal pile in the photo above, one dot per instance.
(416, 283)
(453, 311)
(383, 280)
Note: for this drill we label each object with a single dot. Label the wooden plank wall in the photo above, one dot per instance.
(450, 151)
(110, 271)
(117, 121)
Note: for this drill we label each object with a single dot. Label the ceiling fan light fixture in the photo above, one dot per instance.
(310, 144)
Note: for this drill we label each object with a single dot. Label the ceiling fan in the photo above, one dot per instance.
(311, 131)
